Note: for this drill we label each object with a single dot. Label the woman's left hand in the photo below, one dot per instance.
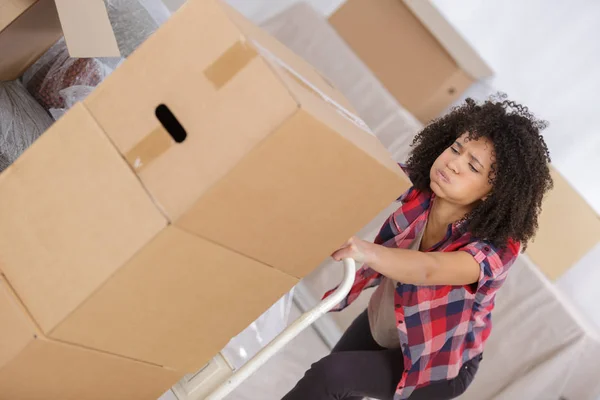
(359, 250)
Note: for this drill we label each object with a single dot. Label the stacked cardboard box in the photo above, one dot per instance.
(417, 55)
(569, 228)
(161, 216)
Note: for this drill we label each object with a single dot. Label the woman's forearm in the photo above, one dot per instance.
(414, 267)
(406, 266)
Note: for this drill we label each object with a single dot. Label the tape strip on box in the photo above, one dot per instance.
(230, 63)
(151, 147)
(221, 71)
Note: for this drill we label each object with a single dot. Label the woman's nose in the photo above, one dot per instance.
(453, 166)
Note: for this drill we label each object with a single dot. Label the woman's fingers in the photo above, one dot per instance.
(340, 254)
(344, 252)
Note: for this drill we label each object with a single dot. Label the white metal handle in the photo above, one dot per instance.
(305, 320)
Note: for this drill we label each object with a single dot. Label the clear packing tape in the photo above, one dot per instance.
(260, 333)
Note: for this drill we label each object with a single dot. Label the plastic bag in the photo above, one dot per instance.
(3, 162)
(56, 71)
(133, 21)
(262, 331)
(70, 95)
(22, 121)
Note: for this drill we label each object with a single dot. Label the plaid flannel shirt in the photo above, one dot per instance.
(440, 327)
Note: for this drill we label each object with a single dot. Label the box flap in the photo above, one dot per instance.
(72, 213)
(16, 329)
(459, 49)
(87, 29)
(28, 36)
(10, 10)
(553, 249)
(51, 370)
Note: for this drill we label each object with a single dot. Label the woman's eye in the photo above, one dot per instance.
(473, 168)
(454, 150)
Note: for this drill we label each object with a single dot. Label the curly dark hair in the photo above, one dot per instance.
(520, 174)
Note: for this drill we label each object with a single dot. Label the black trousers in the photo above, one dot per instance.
(358, 367)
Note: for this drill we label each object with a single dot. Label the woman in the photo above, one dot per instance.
(479, 175)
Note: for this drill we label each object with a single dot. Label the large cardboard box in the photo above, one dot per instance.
(417, 55)
(569, 228)
(191, 190)
(29, 27)
(35, 367)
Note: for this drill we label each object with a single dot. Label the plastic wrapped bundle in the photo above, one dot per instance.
(48, 79)
(3, 162)
(22, 121)
(133, 21)
(260, 333)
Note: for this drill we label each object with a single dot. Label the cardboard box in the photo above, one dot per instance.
(190, 191)
(568, 229)
(34, 367)
(29, 27)
(417, 55)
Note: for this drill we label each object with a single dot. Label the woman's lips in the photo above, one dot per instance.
(443, 176)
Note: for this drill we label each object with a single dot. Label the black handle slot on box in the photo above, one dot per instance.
(170, 123)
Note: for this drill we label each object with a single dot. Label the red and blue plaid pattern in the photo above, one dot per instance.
(440, 327)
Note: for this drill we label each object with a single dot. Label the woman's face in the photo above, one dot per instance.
(460, 174)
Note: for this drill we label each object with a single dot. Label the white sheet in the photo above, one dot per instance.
(540, 346)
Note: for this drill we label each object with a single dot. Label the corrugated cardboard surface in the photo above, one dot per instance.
(456, 83)
(568, 229)
(11, 10)
(230, 122)
(274, 173)
(289, 190)
(288, 56)
(30, 30)
(15, 328)
(177, 302)
(35, 368)
(402, 53)
(316, 147)
(459, 49)
(222, 125)
(74, 212)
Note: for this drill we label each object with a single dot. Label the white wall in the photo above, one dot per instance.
(546, 54)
